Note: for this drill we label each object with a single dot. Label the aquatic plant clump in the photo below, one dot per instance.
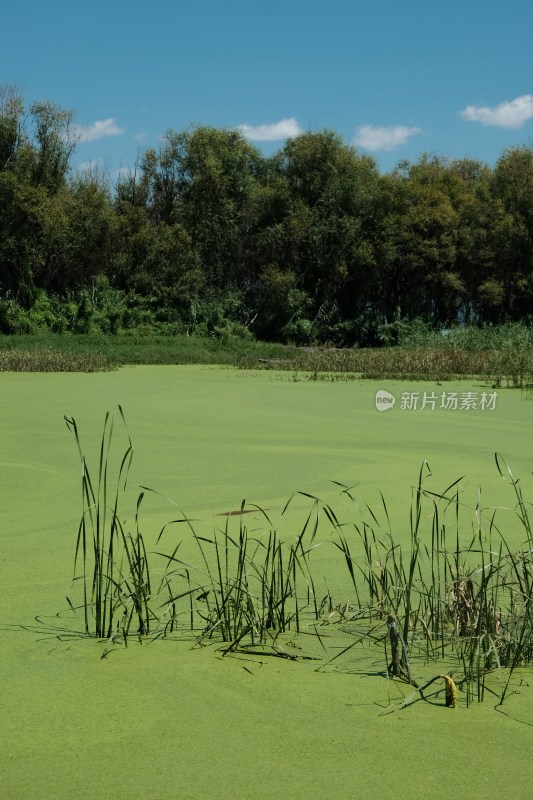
(456, 594)
(111, 563)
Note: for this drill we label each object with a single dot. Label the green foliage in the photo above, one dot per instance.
(402, 331)
(53, 144)
(11, 112)
(21, 236)
(299, 331)
(469, 338)
(13, 318)
(317, 245)
(279, 302)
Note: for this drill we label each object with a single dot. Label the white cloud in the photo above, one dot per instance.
(98, 130)
(284, 129)
(374, 137)
(512, 114)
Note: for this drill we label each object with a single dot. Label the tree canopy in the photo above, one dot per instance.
(206, 233)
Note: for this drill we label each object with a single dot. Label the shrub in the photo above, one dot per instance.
(299, 331)
(13, 318)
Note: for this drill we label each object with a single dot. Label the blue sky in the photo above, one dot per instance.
(394, 79)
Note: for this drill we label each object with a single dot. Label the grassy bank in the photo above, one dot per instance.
(85, 353)
(499, 356)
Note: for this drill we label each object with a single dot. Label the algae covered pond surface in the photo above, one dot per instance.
(167, 719)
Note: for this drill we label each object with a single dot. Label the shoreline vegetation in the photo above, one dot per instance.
(499, 355)
(205, 236)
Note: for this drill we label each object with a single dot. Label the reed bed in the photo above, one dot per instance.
(501, 356)
(498, 367)
(458, 592)
(50, 360)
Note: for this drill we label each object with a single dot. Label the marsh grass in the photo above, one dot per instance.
(501, 356)
(89, 352)
(462, 594)
(456, 592)
(506, 366)
(111, 563)
(246, 591)
(51, 360)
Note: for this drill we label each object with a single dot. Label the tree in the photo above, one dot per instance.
(89, 243)
(11, 113)
(21, 215)
(417, 247)
(279, 302)
(34, 159)
(220, 171)
(325, 237)
(513, 236)
(468, 185)
(54, 143)
(203, 179)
